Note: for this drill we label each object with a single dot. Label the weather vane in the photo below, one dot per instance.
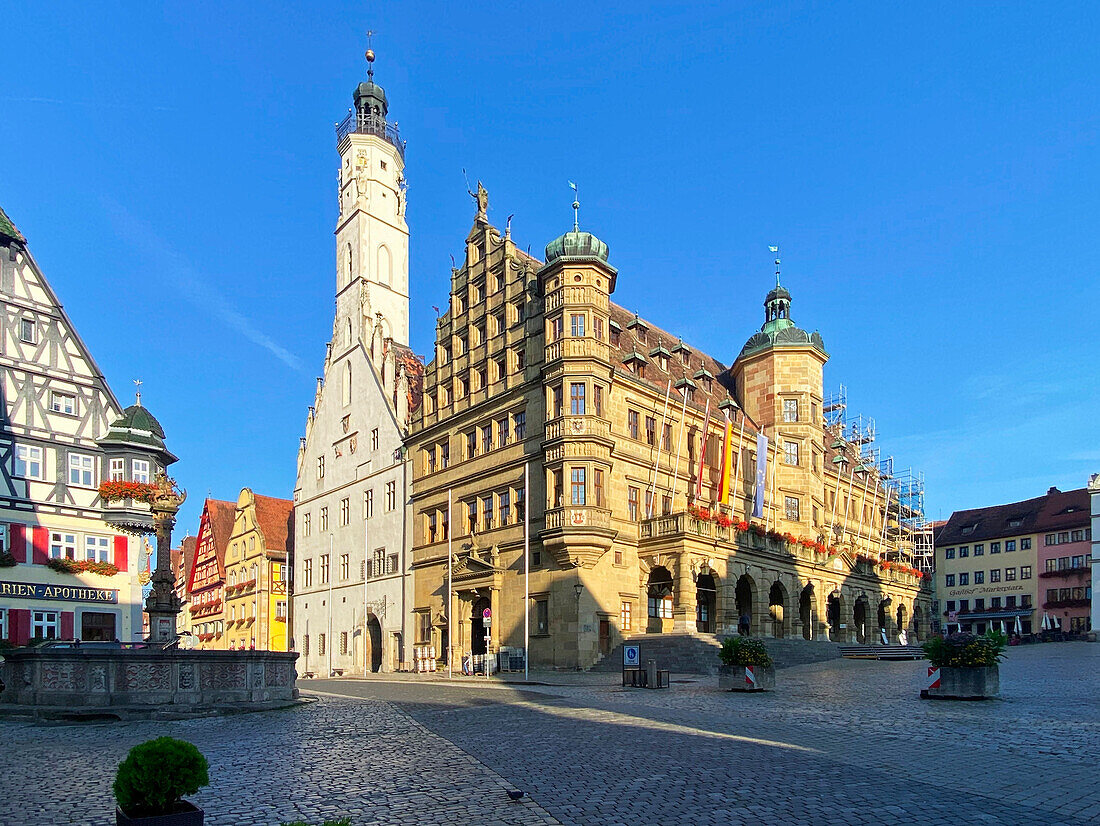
(776, 251)
(137, 384)
(576, 206)
(369, 54)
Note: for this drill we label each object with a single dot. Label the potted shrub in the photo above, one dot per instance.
(152, 781)
(746, 665)
(964, 666)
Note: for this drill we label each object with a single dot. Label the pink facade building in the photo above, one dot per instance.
(1064, 547)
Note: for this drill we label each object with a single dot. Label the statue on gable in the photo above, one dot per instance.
(481, 197)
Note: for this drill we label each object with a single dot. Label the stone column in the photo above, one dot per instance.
(684, 602)
(163, 603)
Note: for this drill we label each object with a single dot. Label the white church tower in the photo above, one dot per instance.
(352, 587)
(372, 239)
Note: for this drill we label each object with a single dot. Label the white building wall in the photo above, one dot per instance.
(1094, 497)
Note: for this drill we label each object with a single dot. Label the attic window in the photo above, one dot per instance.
(969, 529)
(1015, 523)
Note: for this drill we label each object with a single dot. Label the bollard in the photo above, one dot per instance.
(651, 673)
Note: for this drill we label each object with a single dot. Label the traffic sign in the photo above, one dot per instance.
(632, 655)
(486, 613)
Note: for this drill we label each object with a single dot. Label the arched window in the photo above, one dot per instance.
(347, 333)
(255, 572)
(348, 271)
(347, 383)
(385, 266)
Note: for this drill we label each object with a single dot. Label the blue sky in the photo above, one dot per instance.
(930, 171)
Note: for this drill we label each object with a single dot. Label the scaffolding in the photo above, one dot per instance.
(907, 534)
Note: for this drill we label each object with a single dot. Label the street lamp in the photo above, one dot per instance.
(577, 588)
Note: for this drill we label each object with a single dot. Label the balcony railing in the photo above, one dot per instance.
(577, 516)
(368, 124)
(578, 426)
(578, 348)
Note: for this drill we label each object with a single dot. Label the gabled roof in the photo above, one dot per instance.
(8, 230)
(222, 517)
(1053, 511)
(275, 517)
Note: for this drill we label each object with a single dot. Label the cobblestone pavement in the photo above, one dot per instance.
(836, 742)
(363, 759)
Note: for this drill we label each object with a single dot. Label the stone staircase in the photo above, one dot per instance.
(882, 652)
(689, 653)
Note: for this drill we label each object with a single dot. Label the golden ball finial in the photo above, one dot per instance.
(369, 55)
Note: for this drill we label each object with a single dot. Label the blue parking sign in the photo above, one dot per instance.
(632, 655)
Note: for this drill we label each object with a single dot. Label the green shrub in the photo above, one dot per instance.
(744, 651)
(156, 774)
(966, 650)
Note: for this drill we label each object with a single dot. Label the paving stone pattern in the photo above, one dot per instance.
(363, 759)
(867, 749)
(837, 742)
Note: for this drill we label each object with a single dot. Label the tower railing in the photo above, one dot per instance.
(365, 123)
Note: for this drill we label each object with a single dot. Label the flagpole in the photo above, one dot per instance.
(679, 445)
(526, 573)
(772, 515)
(656, 462)
(450, 590)
(848, 499)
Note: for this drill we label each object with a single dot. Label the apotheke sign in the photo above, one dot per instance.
(61, 593)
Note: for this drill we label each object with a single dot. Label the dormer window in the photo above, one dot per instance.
(638, 327)
(681, 350)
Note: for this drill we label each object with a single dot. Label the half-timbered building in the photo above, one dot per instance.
(206, 584)
(68, 561)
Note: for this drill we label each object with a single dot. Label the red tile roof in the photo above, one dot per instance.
(1055, 510)
(222, 517)
(275, 517)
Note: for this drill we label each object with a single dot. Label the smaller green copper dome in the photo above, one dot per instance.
(576, 244)
(137, 427)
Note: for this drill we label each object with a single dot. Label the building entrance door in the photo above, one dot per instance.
(605, 637)
(374, 636)
(705, 602)
(477, 626)
(97, 627)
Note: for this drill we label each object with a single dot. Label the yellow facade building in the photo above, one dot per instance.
(622, 428)
(256, 560)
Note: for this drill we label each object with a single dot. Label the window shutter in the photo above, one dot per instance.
(20, 619)
(66, 625)
(121, 546)
(39, 553)
(19, 542)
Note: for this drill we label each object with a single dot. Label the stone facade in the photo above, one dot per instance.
(535, 365)
(351, 584)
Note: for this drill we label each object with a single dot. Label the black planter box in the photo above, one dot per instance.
(185, 815)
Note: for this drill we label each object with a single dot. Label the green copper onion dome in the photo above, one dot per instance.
(576, 244)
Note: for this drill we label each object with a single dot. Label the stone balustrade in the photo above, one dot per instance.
(577, 516)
